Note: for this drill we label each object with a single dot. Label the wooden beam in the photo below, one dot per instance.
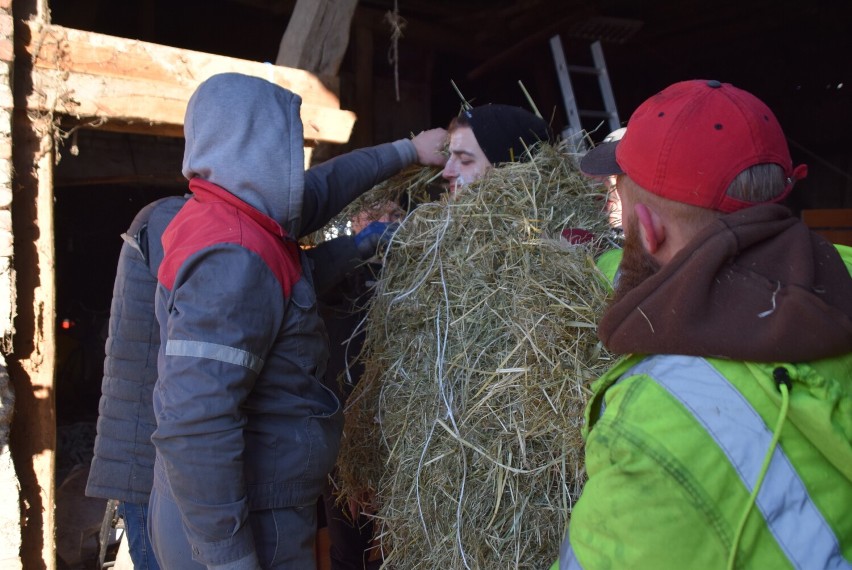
(32, 364)
(317, 36)
(144, 87)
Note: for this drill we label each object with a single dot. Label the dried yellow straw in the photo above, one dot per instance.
(480, 345)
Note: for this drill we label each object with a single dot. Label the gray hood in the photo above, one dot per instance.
(245, 134)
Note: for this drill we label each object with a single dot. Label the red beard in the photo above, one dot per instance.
(637, 265)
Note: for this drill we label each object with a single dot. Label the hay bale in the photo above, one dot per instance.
(480, 345)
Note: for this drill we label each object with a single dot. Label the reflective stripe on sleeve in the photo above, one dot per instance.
(788, 511)
(212, 351)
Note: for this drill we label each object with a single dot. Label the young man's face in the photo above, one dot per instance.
(467, 162)
(613, 200)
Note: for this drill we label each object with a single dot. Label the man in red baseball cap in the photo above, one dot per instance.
(724, 437)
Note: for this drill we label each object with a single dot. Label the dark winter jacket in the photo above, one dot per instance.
(123, 457)
(239, 398)
(123, 462)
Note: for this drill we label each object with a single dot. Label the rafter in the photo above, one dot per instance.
(144, 87)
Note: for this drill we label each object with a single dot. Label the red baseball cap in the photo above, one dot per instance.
(688, 142)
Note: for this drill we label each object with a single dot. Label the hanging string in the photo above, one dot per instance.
(397, 23)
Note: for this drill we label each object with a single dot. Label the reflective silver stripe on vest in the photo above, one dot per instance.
(212, 351)
(792, 518)
(567, 559)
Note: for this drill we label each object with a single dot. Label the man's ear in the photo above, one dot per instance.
(651, 228)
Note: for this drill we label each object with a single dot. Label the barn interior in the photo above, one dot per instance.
(794, 55)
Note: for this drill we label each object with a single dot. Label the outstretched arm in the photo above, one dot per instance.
(332, 185)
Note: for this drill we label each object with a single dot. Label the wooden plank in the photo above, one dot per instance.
(32, 365)
(317, 36)
(835, 225)
(144, 87)
(832, 218)
(148, 107)
(67, 49)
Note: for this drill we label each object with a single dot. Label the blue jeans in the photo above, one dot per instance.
(136, 531)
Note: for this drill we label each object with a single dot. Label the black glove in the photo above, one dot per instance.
(368, 240)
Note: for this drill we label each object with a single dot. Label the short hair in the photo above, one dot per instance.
(692, 218)
(759, 183)
(458, 122)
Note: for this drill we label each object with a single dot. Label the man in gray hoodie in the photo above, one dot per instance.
(245, 428)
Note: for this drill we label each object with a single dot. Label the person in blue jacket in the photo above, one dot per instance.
(124, 455)
(122, 466)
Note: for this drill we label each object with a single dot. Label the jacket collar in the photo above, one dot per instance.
(206, 191)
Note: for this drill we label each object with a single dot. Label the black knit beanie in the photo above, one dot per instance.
(502, 131)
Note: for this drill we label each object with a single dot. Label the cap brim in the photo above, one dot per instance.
(600, 161)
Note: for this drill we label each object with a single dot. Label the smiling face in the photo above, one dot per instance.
(467, 162)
